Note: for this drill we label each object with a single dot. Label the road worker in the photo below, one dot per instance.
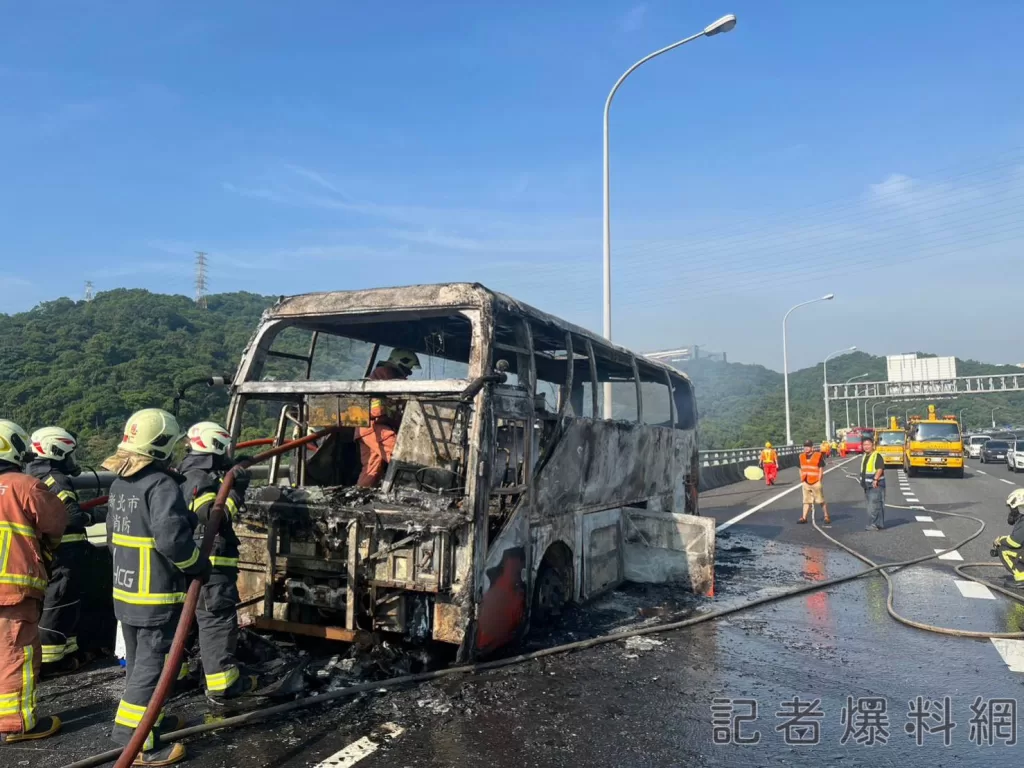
(872, 480)
(1010, 549)
(377, 441)
(812, 469)
(32, 520)
(150, 531)
(54, 463)
(769, 462)
(826, 448)
(842, 449)
(204, 466)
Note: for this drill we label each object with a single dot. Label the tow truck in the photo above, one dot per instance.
(890, 442)
(933, 443)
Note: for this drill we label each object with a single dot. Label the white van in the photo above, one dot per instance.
(975, 444)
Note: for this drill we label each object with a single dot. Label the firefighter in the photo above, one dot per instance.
(377, 441)
(842, 449)
(32, 521)
(54, 463)
(826, 448)
(150, 531)
(203, 468)
(770, 464)
(1009, 548)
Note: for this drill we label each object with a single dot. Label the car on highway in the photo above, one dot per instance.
(994, 452)
(974, 445)
(1015, 455)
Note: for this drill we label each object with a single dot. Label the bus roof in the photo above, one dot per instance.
(431, 297)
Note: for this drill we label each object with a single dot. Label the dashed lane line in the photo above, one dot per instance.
(361, 748)
(924, 519)
(981, 472)
(974, 589)
(951, 555)
(766, 502)
(934, 533)
(1012, 652)
(1008, 482)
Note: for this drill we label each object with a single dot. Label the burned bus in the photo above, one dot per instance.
(507, 494)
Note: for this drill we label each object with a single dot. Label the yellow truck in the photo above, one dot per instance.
(933, 443)
(889, 442)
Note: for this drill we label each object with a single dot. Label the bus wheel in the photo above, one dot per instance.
(958, 472)
(552, 588)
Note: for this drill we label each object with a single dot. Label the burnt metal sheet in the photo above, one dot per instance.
(449, 622)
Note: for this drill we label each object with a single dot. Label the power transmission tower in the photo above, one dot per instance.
(201, 279)
(88, 290)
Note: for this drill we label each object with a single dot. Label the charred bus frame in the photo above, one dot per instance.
(497, 507)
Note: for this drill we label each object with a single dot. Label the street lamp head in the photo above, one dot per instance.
(852, 349)
(724, 24)
(828, 297)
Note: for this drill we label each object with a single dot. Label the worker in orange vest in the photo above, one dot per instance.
(769, 463)
(812, 469)
(826, 448)
(842, 449)
(377, 441)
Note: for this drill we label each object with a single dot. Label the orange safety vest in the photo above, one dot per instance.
(810, 467)
(769, 456)
(29, 513)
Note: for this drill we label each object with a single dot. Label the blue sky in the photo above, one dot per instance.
(872, 149)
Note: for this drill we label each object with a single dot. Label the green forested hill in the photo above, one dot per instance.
(88, 365)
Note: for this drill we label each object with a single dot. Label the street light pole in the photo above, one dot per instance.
(887, 409)
(873, 406)
(859, 376)
(998, 407)
(785, 359)
(960, 417)
(724, 24)
(824, 379)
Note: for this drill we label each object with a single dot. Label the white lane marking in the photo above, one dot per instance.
(934, 533)
(776, 497)
(974, 589)
(954, 555)
(914, 499)
(1008, 482)
(1012, 652)
(980, 472)
(361, 748)
(923, 519)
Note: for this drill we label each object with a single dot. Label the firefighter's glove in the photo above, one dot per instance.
(242, 479)
(205, 569)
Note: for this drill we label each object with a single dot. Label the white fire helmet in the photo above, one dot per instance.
(53, 443)
(13, 443)
(1015, 499)
(209, 437)
(151, 432)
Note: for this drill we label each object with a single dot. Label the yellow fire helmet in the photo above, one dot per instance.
(151, 432)
(208, 437)
(1015, 499)
(404, 358)
(53, 443)
(13, 443)
(768, 445)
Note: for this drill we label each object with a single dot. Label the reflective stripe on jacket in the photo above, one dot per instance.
(769, 456)
(149, 530)
(870, 463)
(60, 485)
(200, 486)
(28, 513)
(811, 467)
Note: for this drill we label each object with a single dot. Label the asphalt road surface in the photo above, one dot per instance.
(834, 679)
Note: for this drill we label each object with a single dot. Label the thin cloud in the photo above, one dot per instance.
(634, 19)
(315, 176)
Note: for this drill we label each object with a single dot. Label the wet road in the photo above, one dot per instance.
(649, 703)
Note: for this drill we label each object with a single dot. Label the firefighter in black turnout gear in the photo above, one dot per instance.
(1010, 549)
(54, 463)
(204, 468)
(150, 531)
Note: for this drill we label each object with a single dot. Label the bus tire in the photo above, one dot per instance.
(552, 588)
(959, 472)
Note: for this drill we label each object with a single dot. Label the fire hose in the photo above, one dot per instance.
(167, 677)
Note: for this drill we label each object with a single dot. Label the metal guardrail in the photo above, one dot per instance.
(740, 455)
